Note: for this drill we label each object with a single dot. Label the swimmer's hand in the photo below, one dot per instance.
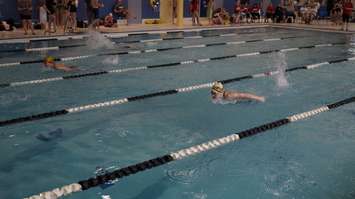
(262, 99)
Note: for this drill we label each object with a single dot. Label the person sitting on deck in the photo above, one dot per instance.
(119, 10)
(49, 62)
(219, 94)
(255, 13)
(237, 12)
(109, 21)
(220, 17)
(269, 13)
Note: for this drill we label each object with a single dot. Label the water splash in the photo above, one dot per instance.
(186, 176)
(281, 66)
(97, 40)
(111, 60)
(352, 45)
(7, 99)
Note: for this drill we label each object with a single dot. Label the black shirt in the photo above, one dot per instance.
(51, 5)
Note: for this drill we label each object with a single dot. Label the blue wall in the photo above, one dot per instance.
(147, 10)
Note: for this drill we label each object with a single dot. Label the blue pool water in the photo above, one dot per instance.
(312, 158)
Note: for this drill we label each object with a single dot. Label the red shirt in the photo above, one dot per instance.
(255, 9)
(194, 5)
(348, 8)
(244, 9)
(270, 9)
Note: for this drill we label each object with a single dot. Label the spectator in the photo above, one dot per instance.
(255, 12)
(194, 10)
(60, 12)
(119, 10)
(96, 5)
(43, 18)
(279, 14)
(310, 12)
(109, 22)
(290, 11)
(51, 5)
(336, 13)
(237, 11)
(220, 17)
(89, 11)
(247, 12)
(269, 13)
(264, 4)
(174, 11)
(71, 19)
(210, 8)
(347, 11)
(7, 25)
(24, 8)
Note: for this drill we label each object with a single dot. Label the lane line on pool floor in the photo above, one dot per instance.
(49, 48)
(147, 51)
(120, 101)
(183, 153)
(98, 73)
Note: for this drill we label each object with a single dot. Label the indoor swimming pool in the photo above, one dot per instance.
(143, 96)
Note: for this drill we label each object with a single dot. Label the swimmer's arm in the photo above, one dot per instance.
(65, 68)
(244, 96)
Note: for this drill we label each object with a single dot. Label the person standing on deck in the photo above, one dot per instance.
(194, 10)
(24, 8)
(51, 5)
(347, 12)
(210, 8)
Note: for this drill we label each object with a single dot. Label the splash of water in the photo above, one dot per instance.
(111, 60)
(281, 66)
(97, 40)
(352, 45)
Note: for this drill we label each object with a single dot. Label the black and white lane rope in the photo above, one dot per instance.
(183, 153)
(116, 71)
(121, 101)
(145, 51)
(51, 48)
(124, 34)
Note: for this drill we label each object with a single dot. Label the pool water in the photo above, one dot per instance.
(312, 158)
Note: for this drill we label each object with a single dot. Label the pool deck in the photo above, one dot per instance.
(134, 28)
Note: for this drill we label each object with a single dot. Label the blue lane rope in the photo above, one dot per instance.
(183, 153)
(152, 95)
(70, 77)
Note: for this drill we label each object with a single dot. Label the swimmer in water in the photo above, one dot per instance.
(218, 93)
(49, 62)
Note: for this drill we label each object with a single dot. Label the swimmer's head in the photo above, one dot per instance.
(217, 90)
(48, 60)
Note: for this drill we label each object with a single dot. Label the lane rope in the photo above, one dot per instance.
(120, 101)
(113, 36)
(70, 77)
(133, 51)
(183, 153)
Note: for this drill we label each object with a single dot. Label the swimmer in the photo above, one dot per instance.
(218, 93)
(58, 133)
(50, 63)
